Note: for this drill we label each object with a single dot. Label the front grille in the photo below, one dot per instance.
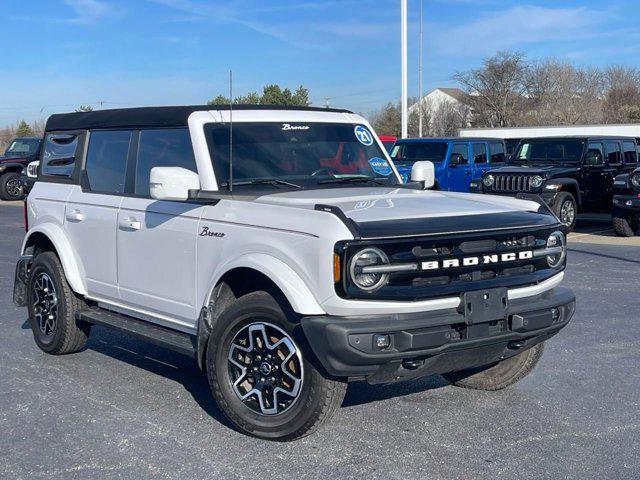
(511, 183)
(424, 283)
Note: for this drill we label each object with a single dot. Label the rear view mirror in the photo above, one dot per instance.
(424, 172)
(172, 183)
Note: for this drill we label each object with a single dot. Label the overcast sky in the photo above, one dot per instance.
(62, 53)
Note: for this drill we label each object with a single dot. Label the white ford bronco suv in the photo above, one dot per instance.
(278, 247)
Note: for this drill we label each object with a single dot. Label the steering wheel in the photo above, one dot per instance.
(328, 170)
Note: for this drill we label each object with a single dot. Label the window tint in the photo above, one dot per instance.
(459, 154)
(479, 153)
(594, 154)
(512, 145)
(612, 152)
(630, 153)
(496, 150)
(59, 154)
(412, 151)
(162, 148)
(107, 160)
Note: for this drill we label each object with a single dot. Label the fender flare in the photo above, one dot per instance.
(568, 181)
(296, 291)
(73, 270)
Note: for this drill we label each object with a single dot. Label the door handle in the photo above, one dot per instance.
(75, 216)
(129, 224)
(468, 172)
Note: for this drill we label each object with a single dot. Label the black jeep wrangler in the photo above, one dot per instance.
(571, 174)
(20, 152)
(626, 204)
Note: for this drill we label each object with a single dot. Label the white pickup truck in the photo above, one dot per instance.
(279, 248)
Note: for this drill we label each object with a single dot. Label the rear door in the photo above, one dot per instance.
(613, 166)
(92, 210)
(630, 156)
(593, 171)
(480, 159)
(459, 168)
(157, 239)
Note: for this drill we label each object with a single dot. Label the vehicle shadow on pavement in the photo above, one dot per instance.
(359, 393)
(603, 255)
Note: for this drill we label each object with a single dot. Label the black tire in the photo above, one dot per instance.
(317, 399)
(566, 203)
(62, 334)
(11, 187)
(625, 227)
(499, 375)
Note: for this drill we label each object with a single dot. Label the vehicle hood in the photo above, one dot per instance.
(385, 211)
(547, 171)
(13, 158)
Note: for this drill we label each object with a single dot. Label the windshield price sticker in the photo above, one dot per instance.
(363, 135)
(380, 166)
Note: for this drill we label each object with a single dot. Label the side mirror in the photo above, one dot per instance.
(172, 183)
(424, 172)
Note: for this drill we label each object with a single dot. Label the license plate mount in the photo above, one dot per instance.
(484, 305)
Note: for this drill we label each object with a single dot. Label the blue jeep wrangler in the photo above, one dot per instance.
(457, 161)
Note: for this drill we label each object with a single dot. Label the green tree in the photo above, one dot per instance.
(272, 94)
(23, 129)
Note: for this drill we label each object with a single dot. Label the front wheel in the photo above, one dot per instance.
(498, 375)
(625, 227)
(566, 209)
(260, 373)
(11, 187)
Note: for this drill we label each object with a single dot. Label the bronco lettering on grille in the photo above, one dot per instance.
(479, 260)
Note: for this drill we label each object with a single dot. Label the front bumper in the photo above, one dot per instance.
(627, 203)
(433, 342)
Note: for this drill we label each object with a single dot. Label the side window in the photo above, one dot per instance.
(496, 150)
(107, 160)
(612, 153)
(479, 153)
(630, 153)
(59, 154)
(459, 154)
(162, 148)
(594, 154)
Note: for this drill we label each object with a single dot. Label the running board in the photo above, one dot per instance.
(177, 341)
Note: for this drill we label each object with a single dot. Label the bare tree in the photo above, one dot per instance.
(498, 90)
(448, 118)
(622, 99)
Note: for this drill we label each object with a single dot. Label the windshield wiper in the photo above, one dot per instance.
(263, 181)
(350, 180)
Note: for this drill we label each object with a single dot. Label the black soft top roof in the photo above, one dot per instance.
(151, 116)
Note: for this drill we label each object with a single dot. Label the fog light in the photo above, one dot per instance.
(381, 341)
(555, 314)
(629, 203)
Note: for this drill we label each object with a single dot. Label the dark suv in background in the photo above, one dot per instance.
(626, 204)
(16, 157)
(571, 174)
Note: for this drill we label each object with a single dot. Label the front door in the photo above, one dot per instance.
(459, 168)
(593, 171)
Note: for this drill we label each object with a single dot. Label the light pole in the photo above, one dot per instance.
(403, 68)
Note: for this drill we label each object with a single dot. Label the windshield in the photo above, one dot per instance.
(414, 151)
(298, 155)
(23, 146)
(560, 150)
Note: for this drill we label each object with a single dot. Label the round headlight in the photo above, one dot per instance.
(365, 278)
(635, 179)
(489, 180)
(536, 181)
(556, 243)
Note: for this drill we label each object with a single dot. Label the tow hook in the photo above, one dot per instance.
(412, 364)
(516, 345)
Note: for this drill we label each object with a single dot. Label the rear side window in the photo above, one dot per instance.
(612, 153)
(59, 156)
(630, 153)
(496, 150)
(107, 160)
(162, 148)
(479, 153)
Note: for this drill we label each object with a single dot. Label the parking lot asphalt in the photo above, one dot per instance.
(125, 409)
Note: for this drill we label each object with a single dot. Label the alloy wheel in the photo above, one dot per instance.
(265, 368)
(13, 187)
(45, 304)
(567, 212)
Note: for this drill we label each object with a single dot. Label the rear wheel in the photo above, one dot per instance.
(52, 308)
(11, 186)
(625, 227)
(566, 209)
(498, 375)
(260, 373)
